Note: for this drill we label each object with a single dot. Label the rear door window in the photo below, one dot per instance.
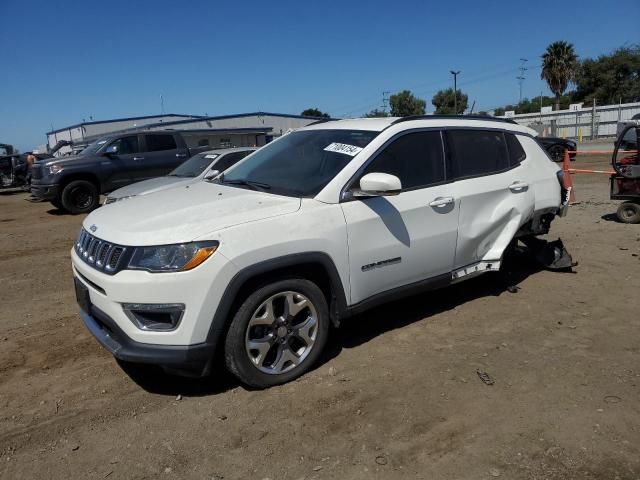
(417, 159)
(477, 152)
(158, 143)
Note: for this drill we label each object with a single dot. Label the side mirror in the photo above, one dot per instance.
(212, 174)
(111, 150)
(378, 184)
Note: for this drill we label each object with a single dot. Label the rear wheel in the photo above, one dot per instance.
(278, 333)
(80, 196)
(556, 152)
(629, 212)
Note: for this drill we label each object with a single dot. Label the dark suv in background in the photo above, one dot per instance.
(75, 183)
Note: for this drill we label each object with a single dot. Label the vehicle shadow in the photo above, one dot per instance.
(364, 327)
(11, 191)
(354, 331)
(57, 212)
(610, 217)
(155, 380)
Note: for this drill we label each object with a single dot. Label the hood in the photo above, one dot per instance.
(150, 186)
(183, 214)
(62, 160)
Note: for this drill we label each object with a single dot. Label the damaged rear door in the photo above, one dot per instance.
(489, 170)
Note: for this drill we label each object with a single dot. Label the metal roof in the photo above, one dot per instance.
(126, 119)
(190, 119)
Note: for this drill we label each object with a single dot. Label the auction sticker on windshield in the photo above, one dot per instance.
(345, 148)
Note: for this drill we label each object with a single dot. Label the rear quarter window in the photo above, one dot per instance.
(516, 152)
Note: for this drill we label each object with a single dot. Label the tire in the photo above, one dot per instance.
(556, 152)
(288, 345)
(80, 196)
(57, 203)
(629, 212)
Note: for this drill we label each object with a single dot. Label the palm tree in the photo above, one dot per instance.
(559, 67)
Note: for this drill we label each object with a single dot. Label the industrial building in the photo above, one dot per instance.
(241, 130)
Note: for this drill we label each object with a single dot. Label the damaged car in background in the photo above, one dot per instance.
(250, 269)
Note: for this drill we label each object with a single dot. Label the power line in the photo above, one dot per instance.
(348, 110)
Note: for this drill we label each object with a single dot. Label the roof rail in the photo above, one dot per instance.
(322, 120)
(452, 117)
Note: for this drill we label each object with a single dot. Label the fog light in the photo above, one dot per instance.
(154, 316)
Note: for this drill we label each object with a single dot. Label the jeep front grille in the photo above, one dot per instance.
(101, 255)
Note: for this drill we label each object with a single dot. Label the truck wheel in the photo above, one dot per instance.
(278, 333)
(556, 152)
(629, 212)
(80, 196)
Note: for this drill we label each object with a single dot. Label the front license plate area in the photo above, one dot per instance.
(82, 296)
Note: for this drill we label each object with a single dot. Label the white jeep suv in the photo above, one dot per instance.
(320, 224)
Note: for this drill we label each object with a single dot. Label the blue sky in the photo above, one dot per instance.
(63, 61)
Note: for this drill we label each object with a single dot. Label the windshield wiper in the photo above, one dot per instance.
(249, 183)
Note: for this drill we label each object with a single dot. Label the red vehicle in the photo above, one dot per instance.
(625, 183)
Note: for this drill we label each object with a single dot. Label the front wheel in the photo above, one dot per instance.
(629, 212)
(80, 196)
(278, 333)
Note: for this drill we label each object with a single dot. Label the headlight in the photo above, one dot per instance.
(55, 168)
(172, 258)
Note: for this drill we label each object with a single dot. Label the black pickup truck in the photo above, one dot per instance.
(75, 183)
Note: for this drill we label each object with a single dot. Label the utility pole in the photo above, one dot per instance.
(161, 105)
(455, 90)
(594, 133)
(385, 101)
(521, 77)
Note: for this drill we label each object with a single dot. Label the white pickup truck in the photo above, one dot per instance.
(322, 223)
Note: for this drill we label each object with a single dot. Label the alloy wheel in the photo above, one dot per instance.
(281, 332)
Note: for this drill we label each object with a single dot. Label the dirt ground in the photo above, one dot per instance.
(396, 396)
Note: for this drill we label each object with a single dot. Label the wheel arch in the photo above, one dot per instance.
(90, 177)
(315, 266)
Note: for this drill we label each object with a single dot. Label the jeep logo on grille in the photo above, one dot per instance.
(93, 228)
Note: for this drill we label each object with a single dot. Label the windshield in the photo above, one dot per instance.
(300, 163)
(93, 147)
(195, 165)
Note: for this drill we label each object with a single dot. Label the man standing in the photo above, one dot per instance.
(31, 158)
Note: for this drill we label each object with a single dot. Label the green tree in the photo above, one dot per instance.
(314, 112)
(445, 102)
(404, 103)
(559, 67)
(610, 78)
(376, 113)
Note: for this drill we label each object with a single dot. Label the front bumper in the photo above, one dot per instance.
(191, 359)
(45, 192)
(200, 290)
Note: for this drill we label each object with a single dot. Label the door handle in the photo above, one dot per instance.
(181, 155)
(441, 202)
(518, 186)
(138, 158)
